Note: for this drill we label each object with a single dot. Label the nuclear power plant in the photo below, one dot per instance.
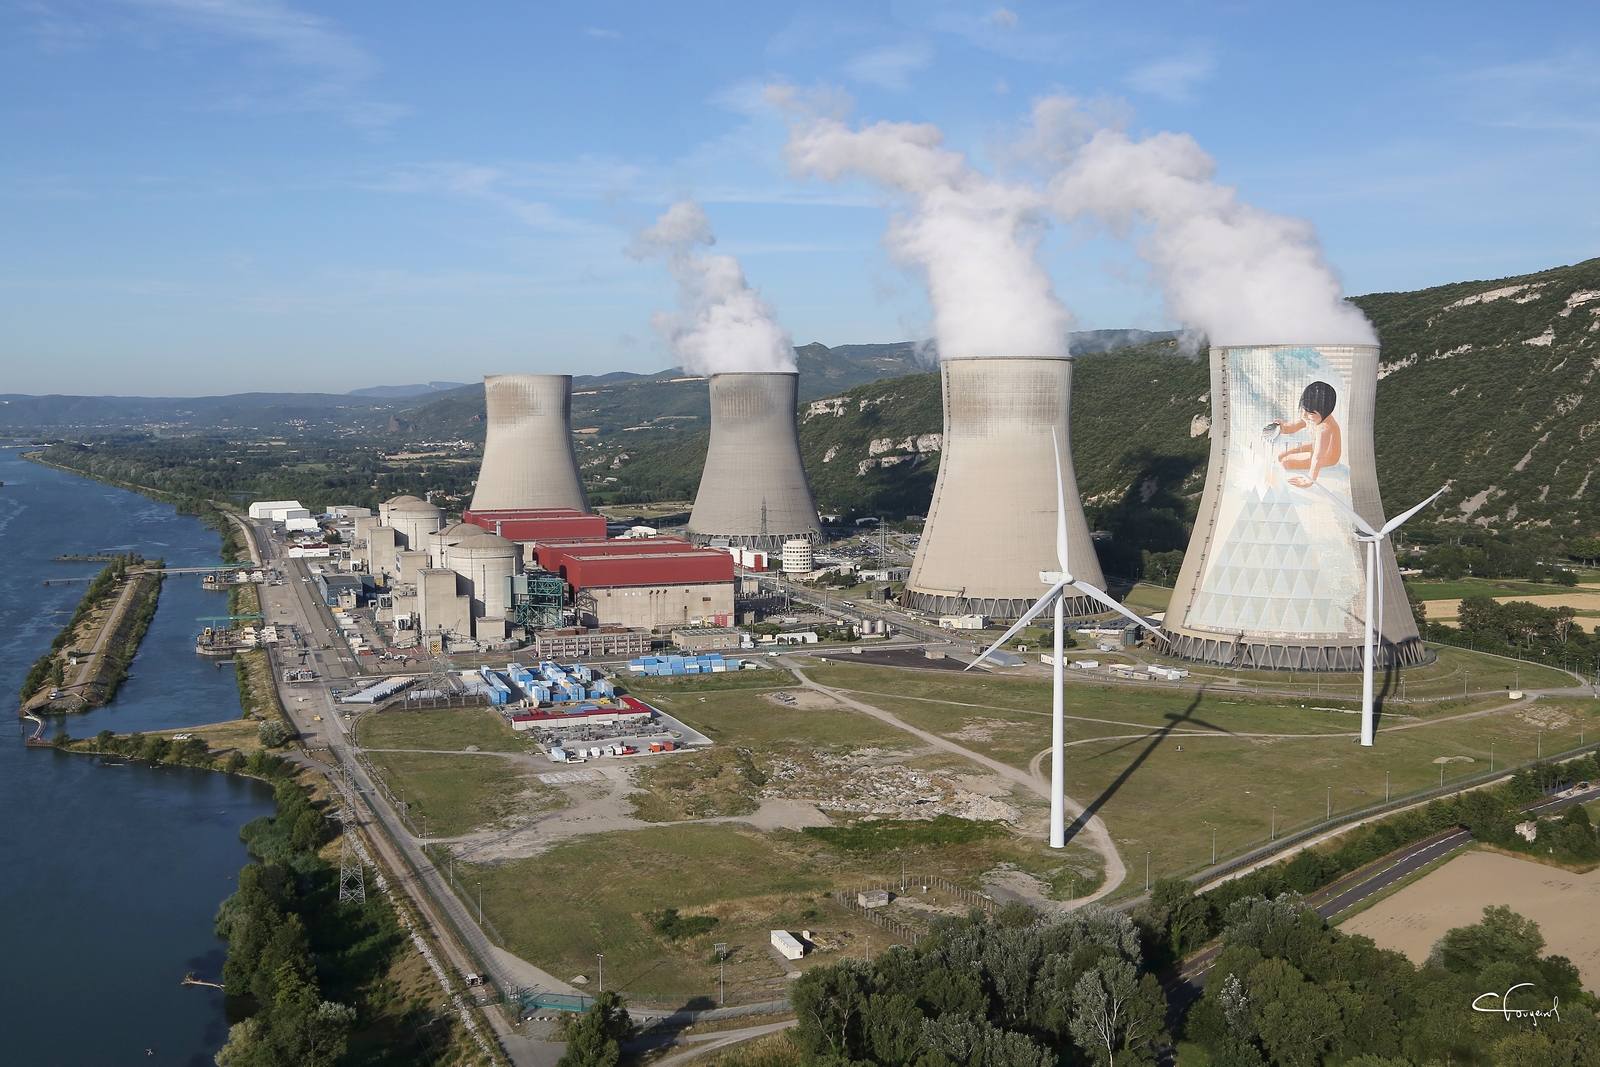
(528, 461)
(1274, 576)
(753, 491)
(991, 528)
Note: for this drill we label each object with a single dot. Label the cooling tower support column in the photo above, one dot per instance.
(528, 461)
(753, 490)
(992, 526)
(1276, 577)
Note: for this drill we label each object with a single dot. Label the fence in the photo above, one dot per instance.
(1258, 850)
(851, 899)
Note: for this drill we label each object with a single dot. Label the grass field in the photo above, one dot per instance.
(1156, 798)
(582, 898)
(449, 729)
(456, 794)
(1147, 598)
(742, 718)
(1460, 589)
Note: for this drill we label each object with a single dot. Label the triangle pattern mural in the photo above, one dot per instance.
(1264, 578)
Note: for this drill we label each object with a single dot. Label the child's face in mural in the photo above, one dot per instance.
(1312, 417)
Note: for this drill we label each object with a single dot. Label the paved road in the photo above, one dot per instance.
(413, 871)
(1400, 865)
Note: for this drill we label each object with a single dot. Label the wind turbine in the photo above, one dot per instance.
(1058, 581)
(1372, 539)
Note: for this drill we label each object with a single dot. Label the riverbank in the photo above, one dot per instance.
(210, 512)
(89, 658)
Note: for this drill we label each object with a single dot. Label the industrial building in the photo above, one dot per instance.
(538, 524)
(528, 460)
(1275, 577)
(797, 557)
(278, 510)
(991, 528)
(581, 642)
(648, 582)
(753, 490)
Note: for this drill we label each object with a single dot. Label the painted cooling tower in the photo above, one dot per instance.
(992, 526)
(528, 460)
(753, 490)
(1274, 577)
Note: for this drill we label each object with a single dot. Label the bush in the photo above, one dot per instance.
(272, 733)
(674, 927)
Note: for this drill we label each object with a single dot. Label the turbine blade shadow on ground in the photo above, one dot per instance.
(1173, 722)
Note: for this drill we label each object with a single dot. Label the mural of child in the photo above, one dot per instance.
(1326, 445)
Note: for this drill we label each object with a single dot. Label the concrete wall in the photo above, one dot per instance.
(528, 460)
(992, 526)
(441, 608)
(661, 606)
(753, 489)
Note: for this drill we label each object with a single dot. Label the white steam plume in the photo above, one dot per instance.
(973, 237)
(1239, 274)
(721, 324)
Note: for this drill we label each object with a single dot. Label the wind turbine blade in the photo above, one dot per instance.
(1038, 606)
(1402, 517)
(1105, 599)
(1061, 507)
(1361, 524)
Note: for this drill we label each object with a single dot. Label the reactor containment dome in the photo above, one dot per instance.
(991, 528)
(753, 490)
(528, 461)
(1275, 577)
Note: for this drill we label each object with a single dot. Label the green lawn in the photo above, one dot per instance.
(1444, 589)
(456, 794)
(742, 718)
(449, 729)
(1144, 597)
(1155, 798)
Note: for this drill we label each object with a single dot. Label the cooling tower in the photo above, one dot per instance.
(528, 460)
(753, 490)
(992, 526)
(1274, 577)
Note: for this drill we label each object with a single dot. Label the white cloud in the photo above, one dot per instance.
(892, 65)
(1175, 77)
(595, 31)
(1004, 18)
(337, 63)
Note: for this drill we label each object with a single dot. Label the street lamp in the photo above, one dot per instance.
(1386, 787)
(1213, 846)
(480, 903)
(1329, 814)
(1491, 757)
(721, 949)
(1274, 836)
(600, 958)
(1147, 872)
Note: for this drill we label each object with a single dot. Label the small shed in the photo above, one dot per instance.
(873, 898)
(788, 944)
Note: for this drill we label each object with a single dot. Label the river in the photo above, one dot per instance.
(110, 874)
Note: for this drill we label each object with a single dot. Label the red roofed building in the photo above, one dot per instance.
(644, 581)
(539, 524)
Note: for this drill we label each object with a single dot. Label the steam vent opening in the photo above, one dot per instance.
(992, 525)
(753, 490)
(1274, 577)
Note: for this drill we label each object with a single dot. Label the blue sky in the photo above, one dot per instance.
(202, 196)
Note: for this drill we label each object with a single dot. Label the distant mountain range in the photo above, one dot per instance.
(822, 371)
